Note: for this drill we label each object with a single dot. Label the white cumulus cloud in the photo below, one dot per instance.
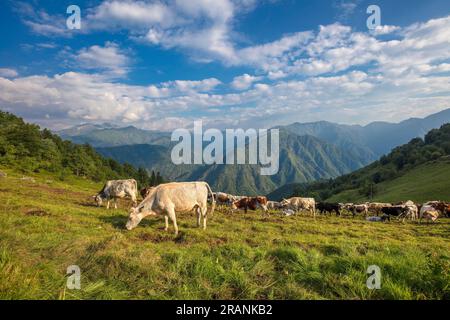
(244, 81)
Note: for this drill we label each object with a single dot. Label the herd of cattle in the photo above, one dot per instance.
(167, 199)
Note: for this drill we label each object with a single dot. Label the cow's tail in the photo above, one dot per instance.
(213, 205)
(136, 192)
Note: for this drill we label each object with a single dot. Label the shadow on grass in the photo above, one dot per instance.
(87, 204)
(119, 222)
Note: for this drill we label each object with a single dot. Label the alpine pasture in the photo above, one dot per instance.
(48, 225)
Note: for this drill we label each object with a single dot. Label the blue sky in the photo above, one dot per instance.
(250, 63)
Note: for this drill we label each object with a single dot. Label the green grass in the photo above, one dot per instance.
(48, 225)
(430, 181)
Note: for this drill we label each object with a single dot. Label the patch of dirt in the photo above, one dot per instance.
(251, 242)
(58, 191)
(37, 212)
(218, 241)
(181, 238)
(277, 241)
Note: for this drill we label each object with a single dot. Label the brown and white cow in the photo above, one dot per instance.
(442, 207)
(252, 203)
(297, 204)
(167, 199)
(115, 189)
(223, 198)
(375, 207)
(357, 208)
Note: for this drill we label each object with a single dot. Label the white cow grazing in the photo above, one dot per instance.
(167, 199)
(298, 204)
(114, 189)
(412, 211)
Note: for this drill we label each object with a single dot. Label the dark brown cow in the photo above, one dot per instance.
(323, 207)
(251, 203)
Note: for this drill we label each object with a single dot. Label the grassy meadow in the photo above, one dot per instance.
(47, 225)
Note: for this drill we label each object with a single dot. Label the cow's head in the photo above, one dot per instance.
(284, 202)
(98, 200)
(262, 203)
(134, 218)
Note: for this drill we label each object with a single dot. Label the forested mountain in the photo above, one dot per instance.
(27, 148)
(432, 151)
(302, 158)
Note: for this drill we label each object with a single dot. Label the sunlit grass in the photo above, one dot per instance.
(48, 225)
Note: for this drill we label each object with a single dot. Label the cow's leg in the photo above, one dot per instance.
(172, 216)
(199, 216)
(166, 220)
(115, 203)
(107, 205)
(204, 212)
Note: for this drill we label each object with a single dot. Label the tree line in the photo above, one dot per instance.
(27, 148)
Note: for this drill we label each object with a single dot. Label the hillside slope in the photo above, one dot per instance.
(29, 149)
(369, 181)
(428, 181)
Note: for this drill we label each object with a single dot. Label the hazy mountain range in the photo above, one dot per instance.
(308, 151)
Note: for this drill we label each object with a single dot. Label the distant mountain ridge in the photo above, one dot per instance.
(302, 158)
(308, 151)
(110, 136)
(374, 139)
(85, 128)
